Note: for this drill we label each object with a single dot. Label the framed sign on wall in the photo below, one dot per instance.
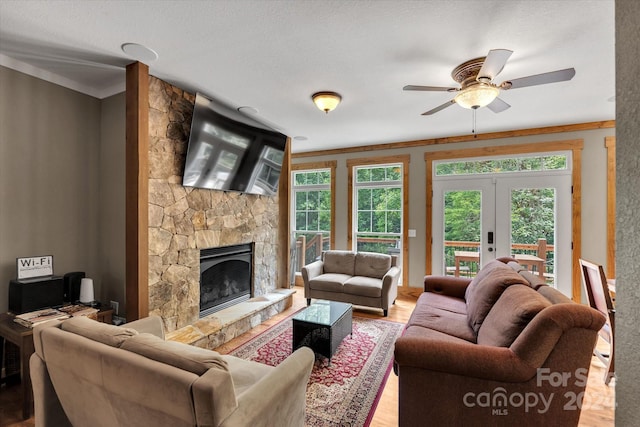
(36, 266)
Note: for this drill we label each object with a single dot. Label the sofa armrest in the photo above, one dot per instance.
(310, 271)
(278, 398)
(447, 285)
(464, 359)
(390, 285)
(151, 325)
(392, 276)
(47, 407)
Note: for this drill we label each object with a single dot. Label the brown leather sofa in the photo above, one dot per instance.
(87, 373)
(503, 349)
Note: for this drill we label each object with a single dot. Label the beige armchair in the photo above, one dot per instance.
(87, 373)
(361, 278)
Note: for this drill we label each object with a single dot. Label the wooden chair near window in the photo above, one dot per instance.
(595, 283)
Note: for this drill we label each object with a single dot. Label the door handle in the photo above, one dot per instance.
(490, 237)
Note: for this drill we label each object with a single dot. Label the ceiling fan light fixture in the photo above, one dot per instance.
(476, 96)
(326, 101)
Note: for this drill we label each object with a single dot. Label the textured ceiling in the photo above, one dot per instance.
(272, 55)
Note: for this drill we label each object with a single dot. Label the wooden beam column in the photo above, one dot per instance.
(137, 191)
(284, 235)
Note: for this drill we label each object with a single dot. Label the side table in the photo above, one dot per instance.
(23, 338)
(105, 315)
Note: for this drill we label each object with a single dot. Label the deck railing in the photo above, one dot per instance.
(540, 249)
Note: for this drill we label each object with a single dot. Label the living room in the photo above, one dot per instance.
(77, 145)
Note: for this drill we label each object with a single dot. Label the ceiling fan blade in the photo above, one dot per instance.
(439, 107)
(430, 88)
(540, 79)
(498, 105)
(493, 64)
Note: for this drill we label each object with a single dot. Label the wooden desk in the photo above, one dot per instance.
(23, 338)
(464, 256)
(532, 261)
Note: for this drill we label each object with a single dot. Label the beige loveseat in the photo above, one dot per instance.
(87, 373)
(361, 278)
(503, 349)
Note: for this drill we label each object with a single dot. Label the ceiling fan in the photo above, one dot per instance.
(476, 82)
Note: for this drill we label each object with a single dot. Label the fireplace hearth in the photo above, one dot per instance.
(226, 277)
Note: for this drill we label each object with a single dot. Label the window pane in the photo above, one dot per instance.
(378, 174)
(513, 164)
(395, 173)
(301, 200)
(301, 221)
(312, 202)
(364, 221)
(380, 222)
(378, 199)
(324, 177)
(324, 200)
(462, 216)
(555, 162)
(394, 198)
(324, 218)
(364, 199)
(312, 220)
(363, 175)
(394, 222)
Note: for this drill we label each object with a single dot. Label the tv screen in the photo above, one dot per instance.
(232, 152)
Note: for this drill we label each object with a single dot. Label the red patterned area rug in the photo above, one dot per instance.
(346, 392)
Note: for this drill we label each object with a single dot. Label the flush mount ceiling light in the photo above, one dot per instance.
(326, 101)
(139, 52)
(477, 95)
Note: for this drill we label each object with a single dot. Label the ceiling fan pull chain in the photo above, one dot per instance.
(473, 123)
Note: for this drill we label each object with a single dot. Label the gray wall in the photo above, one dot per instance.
(594, 185)
(627, 341)
(111, 220)
(61, 182)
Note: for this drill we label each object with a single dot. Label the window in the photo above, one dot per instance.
(503, 165)
(312, 206)
(378, 208)
(378, 217)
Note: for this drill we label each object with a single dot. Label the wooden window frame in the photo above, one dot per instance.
(331, 165)
(372, 161)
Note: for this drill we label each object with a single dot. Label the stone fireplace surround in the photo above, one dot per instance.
(183, 220)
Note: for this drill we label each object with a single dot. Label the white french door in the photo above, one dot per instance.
(477, 218)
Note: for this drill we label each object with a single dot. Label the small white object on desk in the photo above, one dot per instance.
(86, 291)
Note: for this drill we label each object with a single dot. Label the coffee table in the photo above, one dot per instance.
(322, 326)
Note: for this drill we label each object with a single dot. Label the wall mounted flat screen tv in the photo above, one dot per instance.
(232, 152)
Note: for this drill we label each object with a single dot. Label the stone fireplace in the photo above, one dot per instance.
(226, 277)
(184, 221)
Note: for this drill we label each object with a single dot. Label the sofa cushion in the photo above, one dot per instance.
(330, 282)
(371, 264)
(186, 357)
(363, 286)
(484, 272)
(342, 262)
(510, 315)
(444, 302)
(481, 298)
(443, 314)
(423, 333)
(97, 331)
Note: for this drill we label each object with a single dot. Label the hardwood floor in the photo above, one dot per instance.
(597, 411)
